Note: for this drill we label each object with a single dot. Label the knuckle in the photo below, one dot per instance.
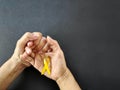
(27, 33)
(40, 34)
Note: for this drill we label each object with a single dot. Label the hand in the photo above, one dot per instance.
(58, 64)
(52, 49)
(19, 53)
(59, 71)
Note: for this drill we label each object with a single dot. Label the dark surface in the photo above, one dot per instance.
(87, 30)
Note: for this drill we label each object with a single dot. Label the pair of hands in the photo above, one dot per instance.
(31, 48)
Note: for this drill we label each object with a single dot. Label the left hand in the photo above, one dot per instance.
(19, 53)
(37, 53)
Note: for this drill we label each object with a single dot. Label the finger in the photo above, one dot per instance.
(38, 62)
(36, 42)
(30, 60)
(28, 50)
(53, 43)
(49, 54)
(33, 55)
(41, 44)
(50, 49)
(49, 40)
(46, 48)
(24, 58)
(30, 44)
(25, 38)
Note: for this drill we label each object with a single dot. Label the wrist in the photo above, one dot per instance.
(64, 77)
(10, 70)
(17, 62)
(67, 82)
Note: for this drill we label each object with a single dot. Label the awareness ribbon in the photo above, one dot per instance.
(46, 65)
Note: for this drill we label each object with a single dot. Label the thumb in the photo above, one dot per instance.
(53, 43)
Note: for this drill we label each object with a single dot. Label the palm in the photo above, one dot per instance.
(58, 65)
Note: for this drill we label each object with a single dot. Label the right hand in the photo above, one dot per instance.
(57, 65)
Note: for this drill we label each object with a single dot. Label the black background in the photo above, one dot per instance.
(87, 31)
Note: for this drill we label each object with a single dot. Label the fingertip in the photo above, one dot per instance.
(30, 44)
(28, 50)
(44, 40)
(36, 35)
(49, 37)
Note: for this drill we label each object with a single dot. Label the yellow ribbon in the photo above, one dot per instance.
(46, 65)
